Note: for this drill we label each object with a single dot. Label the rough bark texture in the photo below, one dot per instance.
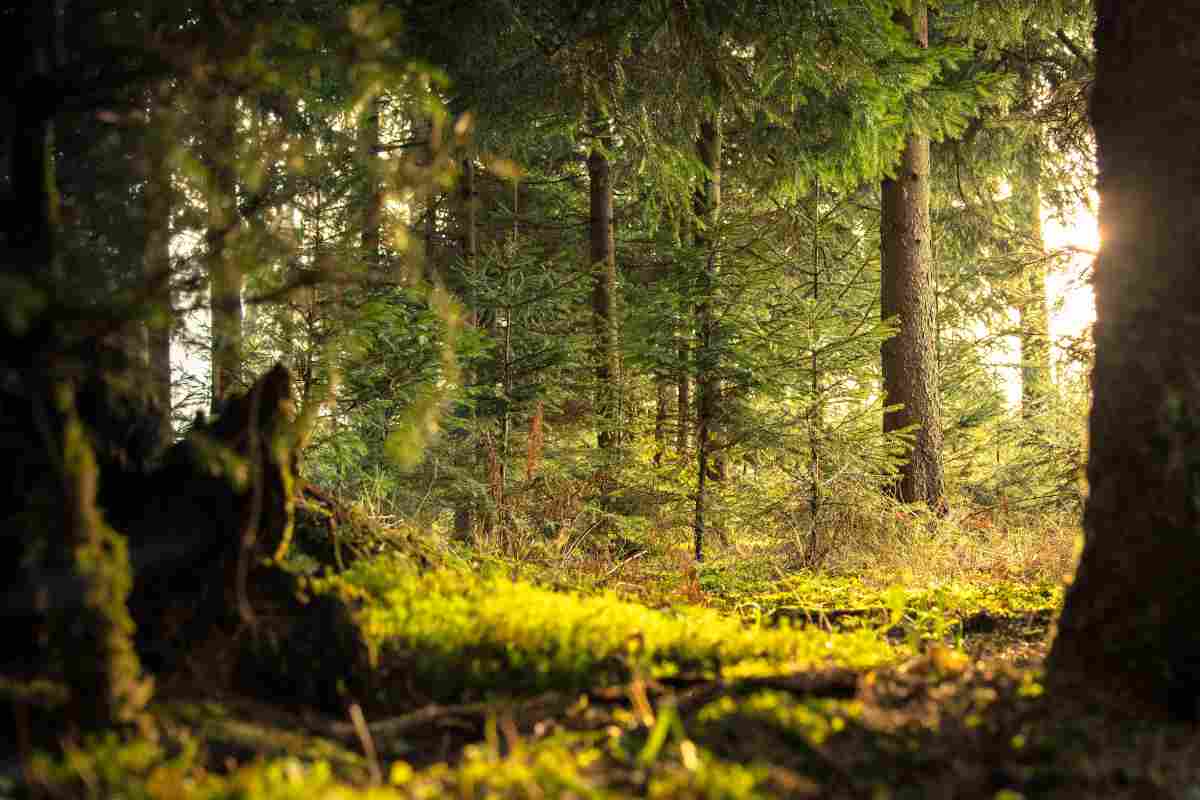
(224, 274)
(604, 296)
(707, 210)
(910, 375)
(1129, 629)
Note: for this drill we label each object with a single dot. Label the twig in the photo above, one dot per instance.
(368, 744)
(618, 566)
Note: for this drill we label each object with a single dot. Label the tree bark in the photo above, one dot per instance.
(662, 410)
(604, 291)
(707, 208)
(156, 265)
(372, 222)
(224, 274)
(683, 395)
(469, 205)
(1128, 631)
(910, 374)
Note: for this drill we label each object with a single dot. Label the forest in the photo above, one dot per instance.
(600, 398)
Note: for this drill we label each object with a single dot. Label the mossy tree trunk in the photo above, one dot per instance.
(50, 473)
(910, 372)
(1129, 631)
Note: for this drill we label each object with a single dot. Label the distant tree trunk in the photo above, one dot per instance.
(1036, 381)
(224, 274)
(1129, 632)
(156, 266)
(707, 210)
(910, 375)
(604, 291)
(469, 209)
(368, 145)
(32, 213)
(683, 394)
(662, 411)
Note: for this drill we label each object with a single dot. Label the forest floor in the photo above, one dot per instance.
(640, 677)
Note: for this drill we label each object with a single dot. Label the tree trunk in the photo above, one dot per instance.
(33, 211)
(57, 533)
(910, 375)
(683, 394)
(604, 291)
(156, 265)
(372, 221)
(662, 411)
(1128, 631)
(463, 513)
(1036, 381)
(707, 211)
(224, 274)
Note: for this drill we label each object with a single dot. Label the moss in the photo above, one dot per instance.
(456, 632)
(102, 669)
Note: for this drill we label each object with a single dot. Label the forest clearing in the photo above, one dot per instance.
(636, 398)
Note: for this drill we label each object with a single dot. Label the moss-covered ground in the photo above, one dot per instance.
(644, 678)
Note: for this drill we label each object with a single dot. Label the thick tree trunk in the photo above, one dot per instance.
(224, 274)
(910, 374)
(604, 299)
(57, 537)
(1129, 632)
(1036, 381)
(707, 210)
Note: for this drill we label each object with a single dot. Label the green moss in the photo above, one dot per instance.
(454, 631)
(102, 667)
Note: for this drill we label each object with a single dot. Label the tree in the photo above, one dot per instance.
(910, 372)
(1128, 630)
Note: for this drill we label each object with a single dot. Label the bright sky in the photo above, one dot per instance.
(1068, 282)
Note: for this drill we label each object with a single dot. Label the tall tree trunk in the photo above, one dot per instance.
(156, 265)
(33, 212)
(1036, 381)
(910, 374)
(372, 219)
(1128, 630)
(662, 411)
(224, 274)
(707, 210)
(683, 395)
(468, 211)
(604, 294)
